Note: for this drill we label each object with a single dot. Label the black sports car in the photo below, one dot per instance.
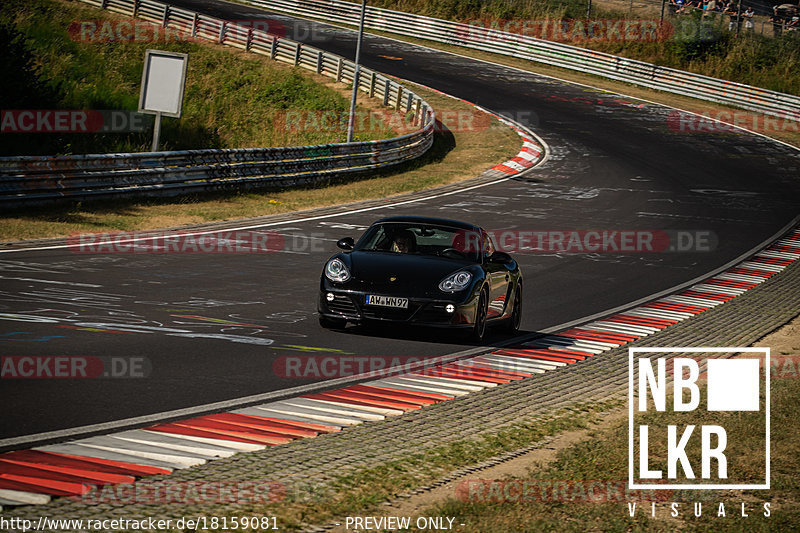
(422, 271)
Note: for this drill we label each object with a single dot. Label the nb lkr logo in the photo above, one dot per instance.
(692, 413)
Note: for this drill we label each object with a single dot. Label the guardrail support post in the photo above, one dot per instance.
(386, 89)
(273, 51)
(222, 29)
(135, 8)
(372, 84)
(319, 62)
(103, 4)
(297, 54)
(339, 69)
(422, 111)
(165, 18)
(194, 25)
(399, 101)
(249, 40)
(409, 102)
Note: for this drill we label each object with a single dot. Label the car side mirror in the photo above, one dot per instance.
(345, 243)
(501, 258)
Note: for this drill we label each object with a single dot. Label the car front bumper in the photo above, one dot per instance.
(351, 306)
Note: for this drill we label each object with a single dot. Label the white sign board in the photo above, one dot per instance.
(163, 82)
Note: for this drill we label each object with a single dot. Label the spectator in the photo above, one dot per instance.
(735, 21)
(711, 7)
(748, 19)
(679, 6)
(777, 22)
(794, 23)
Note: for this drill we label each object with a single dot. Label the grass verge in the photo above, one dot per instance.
(457, 154)
(232, 99)
(603, 456)
(364, 490)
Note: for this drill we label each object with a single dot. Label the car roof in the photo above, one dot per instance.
(429, 220)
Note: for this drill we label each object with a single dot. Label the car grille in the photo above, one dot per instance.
(343, 305)
(352, 306)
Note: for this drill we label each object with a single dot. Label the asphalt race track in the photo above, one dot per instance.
(208, 327)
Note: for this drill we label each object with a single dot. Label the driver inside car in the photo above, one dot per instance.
(404, 242)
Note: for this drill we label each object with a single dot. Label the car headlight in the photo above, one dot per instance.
(335, 270)
(455, 282)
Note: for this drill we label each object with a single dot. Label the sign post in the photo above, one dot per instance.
(163, 83)
(156, 132)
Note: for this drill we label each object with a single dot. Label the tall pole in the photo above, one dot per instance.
(352, 119)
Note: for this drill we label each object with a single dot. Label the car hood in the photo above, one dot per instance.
(423, 272)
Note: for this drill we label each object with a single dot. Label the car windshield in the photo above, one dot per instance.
(423, 239)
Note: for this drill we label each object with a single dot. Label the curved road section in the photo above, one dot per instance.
(626, 205)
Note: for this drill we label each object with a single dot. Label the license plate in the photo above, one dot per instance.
(387, 301)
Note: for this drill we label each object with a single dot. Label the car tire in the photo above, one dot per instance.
(481, 313)
(512, 325)
(332, 323)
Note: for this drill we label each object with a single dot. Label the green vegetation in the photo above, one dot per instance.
(232, 99)
(708, 48)
(463, 10)
(705, 47)
(603, 456)
(455, 155)
(361, 492)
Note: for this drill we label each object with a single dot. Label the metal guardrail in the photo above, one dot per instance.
(40, 179)
(552, 53)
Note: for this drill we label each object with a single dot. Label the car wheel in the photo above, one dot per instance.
(481, 312)
(512, 326)
(332, 323)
